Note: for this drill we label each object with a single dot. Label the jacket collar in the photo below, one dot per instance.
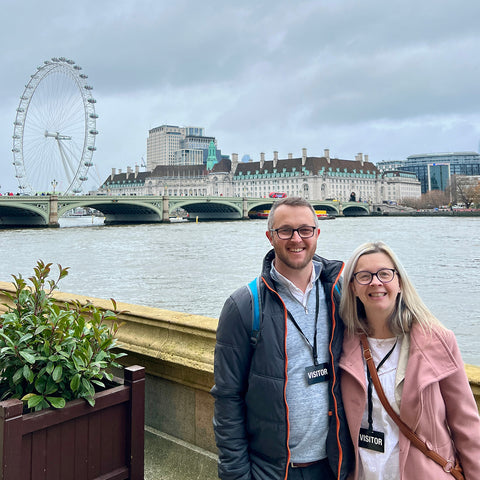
(430, 350)
(352, 357)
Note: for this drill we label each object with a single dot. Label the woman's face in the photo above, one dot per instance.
(377, 297)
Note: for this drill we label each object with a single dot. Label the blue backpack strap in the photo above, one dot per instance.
(253, 286)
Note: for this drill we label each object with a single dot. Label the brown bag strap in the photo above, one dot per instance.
(447, 465)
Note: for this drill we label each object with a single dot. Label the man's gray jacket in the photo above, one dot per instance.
(251, 413)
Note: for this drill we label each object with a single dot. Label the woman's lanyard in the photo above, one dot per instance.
(370, 387)
(315, 373)
(369, 438)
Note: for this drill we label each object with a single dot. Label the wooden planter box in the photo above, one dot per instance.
(78, 442)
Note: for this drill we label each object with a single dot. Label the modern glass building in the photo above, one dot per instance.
(434, 169)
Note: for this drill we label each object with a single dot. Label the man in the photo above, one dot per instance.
(278, 408)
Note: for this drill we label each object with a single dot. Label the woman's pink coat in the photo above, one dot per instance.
(437, 403)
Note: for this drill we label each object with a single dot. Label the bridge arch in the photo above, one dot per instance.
(355, 209)
(118, 209)
(208, 208)
(332, 208)
(19, 213)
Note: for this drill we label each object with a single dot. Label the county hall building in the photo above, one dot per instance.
(181, 161)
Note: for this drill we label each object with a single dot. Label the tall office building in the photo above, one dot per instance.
(173, 145)
(162, 144)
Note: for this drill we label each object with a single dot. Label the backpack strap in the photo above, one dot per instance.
(254, 289)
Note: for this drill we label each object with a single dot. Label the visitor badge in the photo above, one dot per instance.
(371, 440)
(317, 373)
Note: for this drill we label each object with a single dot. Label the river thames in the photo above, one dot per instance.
(193, 267)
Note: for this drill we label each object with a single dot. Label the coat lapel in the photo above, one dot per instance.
(429, 361)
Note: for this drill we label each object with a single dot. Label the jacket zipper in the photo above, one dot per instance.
(334, 379)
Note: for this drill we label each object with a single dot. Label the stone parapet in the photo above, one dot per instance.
(473, 373)
(176, 346)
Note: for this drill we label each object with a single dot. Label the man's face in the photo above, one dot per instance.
(296, 253)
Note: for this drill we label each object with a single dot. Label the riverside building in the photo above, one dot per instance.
(434, 170)
(314, 177)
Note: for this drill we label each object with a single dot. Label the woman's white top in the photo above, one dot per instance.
(377, 465)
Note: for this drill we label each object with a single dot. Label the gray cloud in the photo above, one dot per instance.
(386, 78)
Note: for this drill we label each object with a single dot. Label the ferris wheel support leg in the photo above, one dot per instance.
(53, 212)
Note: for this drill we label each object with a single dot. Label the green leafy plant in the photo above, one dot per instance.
(50, 352)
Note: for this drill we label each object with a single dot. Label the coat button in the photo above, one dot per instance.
(429, 445)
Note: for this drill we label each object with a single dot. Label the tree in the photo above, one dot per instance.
(463, 190)
(429, 200)
(476, 195)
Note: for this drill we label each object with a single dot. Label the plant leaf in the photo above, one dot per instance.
(28, 374)
(57, 402)
(75, 382)
(27, 357)
(50, 367)
(51, 386)
(57, 373)
(18, 375)
(34, 400)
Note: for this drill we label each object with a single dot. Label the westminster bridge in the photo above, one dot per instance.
(44, 211)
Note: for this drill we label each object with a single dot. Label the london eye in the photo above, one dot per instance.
(54, 130)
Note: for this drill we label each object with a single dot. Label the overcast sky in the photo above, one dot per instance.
(386, 78)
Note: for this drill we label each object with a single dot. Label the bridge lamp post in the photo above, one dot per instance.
(54, 184)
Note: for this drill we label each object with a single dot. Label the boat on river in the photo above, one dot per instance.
(323, 215)
(258, 213)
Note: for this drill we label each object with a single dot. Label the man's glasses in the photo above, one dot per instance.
(286, 233)
(384, 275)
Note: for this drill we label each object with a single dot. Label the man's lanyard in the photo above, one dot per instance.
(370, 388)
(314, 346)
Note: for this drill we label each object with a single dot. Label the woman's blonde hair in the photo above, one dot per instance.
(409, 307)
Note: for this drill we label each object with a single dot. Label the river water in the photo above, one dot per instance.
(193, 267)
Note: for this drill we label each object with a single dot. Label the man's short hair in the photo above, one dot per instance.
(290, 202)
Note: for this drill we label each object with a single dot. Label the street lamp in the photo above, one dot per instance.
(54, 184)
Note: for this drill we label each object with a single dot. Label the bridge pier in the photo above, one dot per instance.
(53, 212)
(245, 209)
(165, 214)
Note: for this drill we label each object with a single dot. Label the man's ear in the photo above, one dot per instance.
(268, 233)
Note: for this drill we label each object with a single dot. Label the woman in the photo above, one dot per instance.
(420, 369)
